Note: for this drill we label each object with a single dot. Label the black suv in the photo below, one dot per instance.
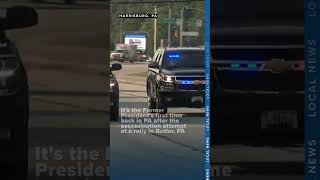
(14, 92)
(257, 68)
(176, 78)
(114, 93)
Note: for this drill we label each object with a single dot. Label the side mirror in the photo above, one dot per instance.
(116, 67)
(153, 64)
(20, 17)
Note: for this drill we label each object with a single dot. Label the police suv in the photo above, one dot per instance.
(257, 69)
(176, 78)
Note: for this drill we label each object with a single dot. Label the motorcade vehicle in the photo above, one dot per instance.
(14, 92)
(257, 69)
(176, 78)
(114, 92)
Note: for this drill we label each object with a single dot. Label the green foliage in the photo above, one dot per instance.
(147, 24)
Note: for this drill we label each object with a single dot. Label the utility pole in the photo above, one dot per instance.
(155, 31)
(181, 26)
(169, 25)
(120, 35)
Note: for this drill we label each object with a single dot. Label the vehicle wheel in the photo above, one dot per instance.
(20, 134)
(160, 104)
(114, 115)
(151, 102)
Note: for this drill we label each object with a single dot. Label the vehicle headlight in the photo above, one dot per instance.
(169, 78)
(168, 81)
(8, 67)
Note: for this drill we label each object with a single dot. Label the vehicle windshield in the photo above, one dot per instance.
(183, 59)
(258, 9)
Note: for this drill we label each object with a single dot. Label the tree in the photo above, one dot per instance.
(147, 24)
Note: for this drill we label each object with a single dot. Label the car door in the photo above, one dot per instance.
(152, 75)
(157, 71)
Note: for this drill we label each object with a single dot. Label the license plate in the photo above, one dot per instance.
(197, 99)
(279, 119)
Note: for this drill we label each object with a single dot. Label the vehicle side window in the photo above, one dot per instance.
(155, 56)
(159, 57)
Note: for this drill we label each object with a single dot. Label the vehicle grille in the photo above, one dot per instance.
(199, 87)
(243, 78)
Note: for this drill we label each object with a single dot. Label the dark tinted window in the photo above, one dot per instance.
(183, 59)
(159, 56)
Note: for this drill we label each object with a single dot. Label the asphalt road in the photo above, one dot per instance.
(170, 154)
(242, 159)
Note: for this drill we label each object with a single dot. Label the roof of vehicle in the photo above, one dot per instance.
(184, 48)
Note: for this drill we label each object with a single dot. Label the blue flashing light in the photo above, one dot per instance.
(174, 56)
(186, 82)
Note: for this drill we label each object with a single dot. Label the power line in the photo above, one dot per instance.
(153, 1)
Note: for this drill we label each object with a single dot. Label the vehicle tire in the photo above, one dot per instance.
(160, 104)
(151, 102)
(114, 115)
(19, 134)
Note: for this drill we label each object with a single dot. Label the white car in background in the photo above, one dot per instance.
(116, 55)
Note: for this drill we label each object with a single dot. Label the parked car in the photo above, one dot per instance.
(141, 56)
(14, 93)
(116, 55)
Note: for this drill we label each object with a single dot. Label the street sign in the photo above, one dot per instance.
(190, 33)
(168, 20)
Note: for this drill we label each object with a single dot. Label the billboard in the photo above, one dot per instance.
(138, 39)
